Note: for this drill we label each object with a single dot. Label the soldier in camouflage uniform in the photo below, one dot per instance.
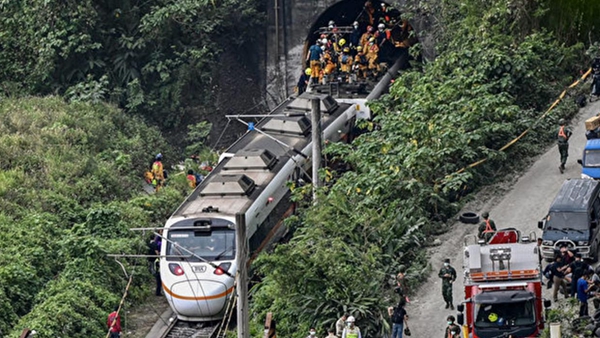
(563, 136)
(448, 276)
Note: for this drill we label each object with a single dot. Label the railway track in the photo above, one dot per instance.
(181, 329)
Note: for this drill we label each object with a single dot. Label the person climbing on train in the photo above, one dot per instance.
(372, 57)
(330, 66)
(355, 35)
(487, 228)
(303, 81)
(563, 136)
(345, 61)
(361, 64)
(351, 330)
(365, 38)
(114, 323)
(314, 58)
(158, 172)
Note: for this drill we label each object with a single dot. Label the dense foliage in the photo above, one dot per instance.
(155, 57)
(490, 82)
(70, 190)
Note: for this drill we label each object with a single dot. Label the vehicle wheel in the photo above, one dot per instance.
(469, 218)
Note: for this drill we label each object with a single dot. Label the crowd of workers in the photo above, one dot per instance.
(358, 52)
(156, 175)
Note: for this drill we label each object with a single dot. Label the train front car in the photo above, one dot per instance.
(199, 265)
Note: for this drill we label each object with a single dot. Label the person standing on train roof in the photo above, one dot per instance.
(314, 58)
(303, 81)
(158, 172)
(114, 323)
(355, 35)
(364, 39)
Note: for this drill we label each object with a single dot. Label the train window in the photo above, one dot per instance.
(214, 245)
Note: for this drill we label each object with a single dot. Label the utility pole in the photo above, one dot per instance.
(243, 328)
(316, 145)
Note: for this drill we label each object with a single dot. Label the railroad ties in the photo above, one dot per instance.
(181, 329)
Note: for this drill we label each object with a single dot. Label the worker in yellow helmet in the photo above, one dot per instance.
(303, 81)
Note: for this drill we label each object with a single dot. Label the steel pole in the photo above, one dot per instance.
(243, 329)
(316, 145)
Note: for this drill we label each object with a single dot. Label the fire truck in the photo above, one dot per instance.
(503, 287)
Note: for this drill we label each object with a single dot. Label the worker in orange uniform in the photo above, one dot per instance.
(364, 39)
(345, 61)
(330, 66)
(114, 323)
(158, 172)
(361, 64)
(370, 10)
(372, 56)
(314, 58)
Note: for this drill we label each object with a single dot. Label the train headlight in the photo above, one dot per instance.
(222, 268)
(176, 269)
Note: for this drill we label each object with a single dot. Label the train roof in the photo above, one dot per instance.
(255, 159)
(574, 196)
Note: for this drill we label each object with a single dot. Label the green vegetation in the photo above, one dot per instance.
(69, 187)
(156, 58)
(494, 76)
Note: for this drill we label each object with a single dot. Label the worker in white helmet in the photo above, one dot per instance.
(351, 330)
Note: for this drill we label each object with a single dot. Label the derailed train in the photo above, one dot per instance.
(250, 180)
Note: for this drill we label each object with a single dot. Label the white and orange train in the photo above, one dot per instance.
(250, 180)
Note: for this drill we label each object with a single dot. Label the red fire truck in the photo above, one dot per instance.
(503, 292)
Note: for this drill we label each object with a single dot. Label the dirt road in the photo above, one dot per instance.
(523, 204)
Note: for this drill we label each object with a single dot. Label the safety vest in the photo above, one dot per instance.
(352, 333)
(561, 133)
(157, 170)
(488, 226)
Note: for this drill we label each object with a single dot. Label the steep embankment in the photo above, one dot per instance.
(69, 186)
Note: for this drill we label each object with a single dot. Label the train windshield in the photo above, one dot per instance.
(216, 244)
(498, 315)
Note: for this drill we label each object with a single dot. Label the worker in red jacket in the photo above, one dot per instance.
(114, 323)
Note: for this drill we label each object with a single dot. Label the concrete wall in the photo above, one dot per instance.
(295, 18)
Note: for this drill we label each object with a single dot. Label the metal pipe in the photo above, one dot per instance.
(316, 145)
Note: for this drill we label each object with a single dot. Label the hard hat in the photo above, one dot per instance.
(350, 319)
(383, 4)
(307, 71)
(331, 23)
(159, 156)
(381, 26)
(324, 41)
(561, 122)
(346, 50)
(359, 48)
(342, 42)
(493, 317)
(355, 23)
(485, 214)
(371, 39)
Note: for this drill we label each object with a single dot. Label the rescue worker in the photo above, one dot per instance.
(361, 64)
(364, 39)
(351, 330)
(339, 47)
(370, 10)
(340, 324)
(372, 57)
(448, 276)
(158, 172)
(487, 228)
(557, 272)
(154, 262)
(578, 268)
(114, 323)
(355, 35)
(191, 179)
(345, 61)
(563, 136)
(330, 66)
(452, 330)
(314, 57)
(303, 81)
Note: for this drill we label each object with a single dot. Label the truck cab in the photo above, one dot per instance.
(503, 293)
(590, 161)
(572, 220)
